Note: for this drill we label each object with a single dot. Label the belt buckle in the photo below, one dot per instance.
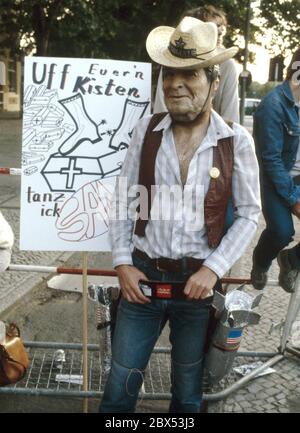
(158, 267)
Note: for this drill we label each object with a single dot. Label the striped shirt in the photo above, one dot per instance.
(174, 237)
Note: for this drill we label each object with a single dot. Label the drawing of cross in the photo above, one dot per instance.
(71, 172)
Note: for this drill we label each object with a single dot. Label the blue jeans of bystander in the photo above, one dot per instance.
(278, 233)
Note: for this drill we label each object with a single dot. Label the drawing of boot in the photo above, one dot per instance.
(82, 141)
(132, 111)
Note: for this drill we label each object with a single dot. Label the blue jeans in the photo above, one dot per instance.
(279, 229)
(137, 330)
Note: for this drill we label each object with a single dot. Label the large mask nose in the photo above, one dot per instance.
(175, 81)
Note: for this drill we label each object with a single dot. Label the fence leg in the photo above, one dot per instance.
(291, 315)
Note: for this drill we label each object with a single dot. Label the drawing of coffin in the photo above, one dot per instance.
(67, 173)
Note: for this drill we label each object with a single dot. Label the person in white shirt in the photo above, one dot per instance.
(6, 243)
(170, 255)
(226, 99)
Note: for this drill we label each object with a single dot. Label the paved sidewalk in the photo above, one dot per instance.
(14, 285)
(280, 391)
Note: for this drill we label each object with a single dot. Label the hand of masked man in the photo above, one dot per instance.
(6, 243)
(200, 285)
(129, 277)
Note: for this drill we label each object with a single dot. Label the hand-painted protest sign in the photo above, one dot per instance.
(78, 119)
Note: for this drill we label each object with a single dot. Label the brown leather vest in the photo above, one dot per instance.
(218, 194)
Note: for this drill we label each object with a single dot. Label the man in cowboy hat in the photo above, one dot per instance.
(171, 256)
(226, 99)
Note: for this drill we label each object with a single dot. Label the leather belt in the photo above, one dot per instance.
(165, 264)
(168, 290)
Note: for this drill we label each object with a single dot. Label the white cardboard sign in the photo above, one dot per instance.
(78, 119)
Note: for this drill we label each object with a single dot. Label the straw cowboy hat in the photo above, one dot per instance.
(192, 44)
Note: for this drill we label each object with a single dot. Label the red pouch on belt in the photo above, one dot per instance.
(159, 290)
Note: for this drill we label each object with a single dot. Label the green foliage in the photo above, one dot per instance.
(283, 16)
(118, 29)
(258, 90)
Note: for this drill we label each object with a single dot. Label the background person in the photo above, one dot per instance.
(226, 99)
(6, 243)
(277, 134)
(190, 145)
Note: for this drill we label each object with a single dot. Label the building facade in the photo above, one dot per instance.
(10, 84)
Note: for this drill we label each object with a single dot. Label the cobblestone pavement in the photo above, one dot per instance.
(276, 392)
(280, 391)
(13, 285)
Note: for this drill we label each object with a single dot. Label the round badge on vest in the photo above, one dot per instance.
(214, 172)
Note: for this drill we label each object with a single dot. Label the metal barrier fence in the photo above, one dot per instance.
(42, 378)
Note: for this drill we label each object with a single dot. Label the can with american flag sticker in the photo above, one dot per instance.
(227, 338)
(234, 337)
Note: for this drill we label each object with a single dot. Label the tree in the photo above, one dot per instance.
(284, 19)
(118, 28)
(28, 24)
(258, 90)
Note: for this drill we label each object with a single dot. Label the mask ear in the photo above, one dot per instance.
(215, 72)
(215, 86)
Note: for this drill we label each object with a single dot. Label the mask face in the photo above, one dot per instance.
(186, 92)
